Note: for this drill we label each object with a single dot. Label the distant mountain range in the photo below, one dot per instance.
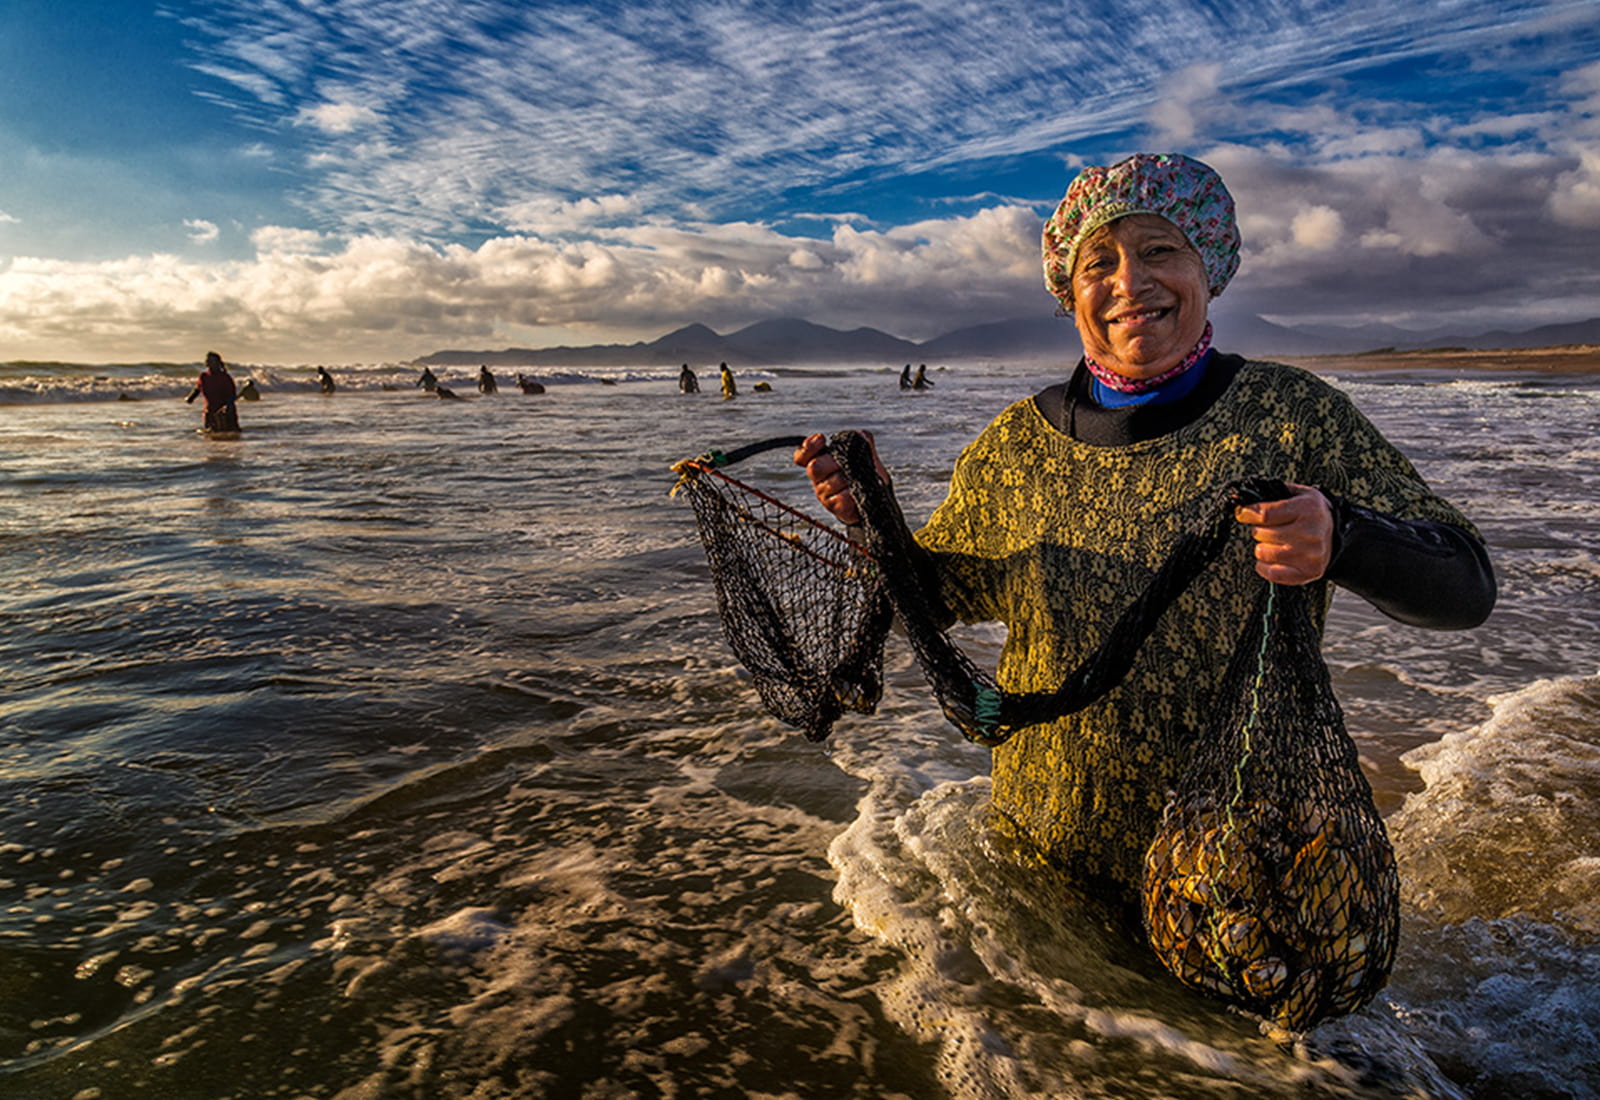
(793, 341)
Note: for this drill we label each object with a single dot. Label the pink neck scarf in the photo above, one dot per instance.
(1142, 385)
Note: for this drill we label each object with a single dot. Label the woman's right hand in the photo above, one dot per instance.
(827, 477)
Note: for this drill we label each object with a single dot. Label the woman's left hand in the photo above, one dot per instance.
(1294, 536)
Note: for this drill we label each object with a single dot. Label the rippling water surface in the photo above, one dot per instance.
(392, 749)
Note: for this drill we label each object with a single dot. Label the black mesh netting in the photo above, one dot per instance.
(1271, 881)
(807, 610)
(801, 607)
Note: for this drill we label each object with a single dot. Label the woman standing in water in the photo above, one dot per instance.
(1061, 510)
(216, 385)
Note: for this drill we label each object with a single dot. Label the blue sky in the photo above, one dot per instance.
(369, 180)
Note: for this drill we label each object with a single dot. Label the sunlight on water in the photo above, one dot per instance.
(393, 749)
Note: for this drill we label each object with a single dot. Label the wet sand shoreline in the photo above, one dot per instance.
(1566, 359)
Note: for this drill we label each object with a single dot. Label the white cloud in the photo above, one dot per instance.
(717, 282)
(1373, 142)
(698, 103)
(337, 118)
(1575, 199)
(7, 219)
(254, 84)
(1583, 84)
(200, 230)
(552, 216)
(1466, 234)
(1000, 244)
(387, 297)
(1415, 226)
(1318, 228)
(280, 240)
(1185, 97)
(1505, 126)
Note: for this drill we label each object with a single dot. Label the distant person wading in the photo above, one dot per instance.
(216, 385)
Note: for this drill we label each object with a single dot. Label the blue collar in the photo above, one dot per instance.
(1164, 394)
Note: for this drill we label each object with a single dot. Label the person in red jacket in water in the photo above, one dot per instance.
(216, 384)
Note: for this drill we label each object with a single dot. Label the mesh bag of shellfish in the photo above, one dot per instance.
(1271, 882)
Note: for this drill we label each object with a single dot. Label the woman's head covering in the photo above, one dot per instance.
(1186, 192)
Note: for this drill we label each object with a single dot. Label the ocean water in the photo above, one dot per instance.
(393, 750)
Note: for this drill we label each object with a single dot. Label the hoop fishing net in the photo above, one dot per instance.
(801, 607)
(807, 610)
(1271, 881)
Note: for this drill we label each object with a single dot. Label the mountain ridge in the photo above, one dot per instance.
(792, 340)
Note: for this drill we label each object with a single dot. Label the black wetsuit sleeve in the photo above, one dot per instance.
(1418, 572)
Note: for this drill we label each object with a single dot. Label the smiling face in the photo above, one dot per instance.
(1139, 295)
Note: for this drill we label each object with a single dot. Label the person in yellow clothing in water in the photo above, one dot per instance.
(1060, 511)
(730, 390)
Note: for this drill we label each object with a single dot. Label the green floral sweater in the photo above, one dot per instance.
(1054, 538)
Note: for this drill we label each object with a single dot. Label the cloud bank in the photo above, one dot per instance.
(375, 297)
